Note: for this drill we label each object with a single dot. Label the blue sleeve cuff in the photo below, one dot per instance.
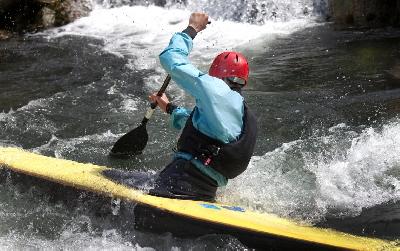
(179, 116)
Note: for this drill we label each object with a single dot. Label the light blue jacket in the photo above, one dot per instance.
(220, 110)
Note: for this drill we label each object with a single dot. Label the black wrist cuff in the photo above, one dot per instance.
(170, 108)
(190, 31)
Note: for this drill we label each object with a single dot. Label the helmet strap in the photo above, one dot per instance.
(237, 89)
(234, 86)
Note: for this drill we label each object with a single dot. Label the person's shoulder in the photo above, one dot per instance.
(213, 84)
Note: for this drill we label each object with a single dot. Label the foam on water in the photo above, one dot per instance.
(367, 176)
(36, 123)
(257, 11)
(334, 174)
(31, 220)
(298, 175)
(34, 104)
(78, 148)
(247, 11)
(6, 115)
(69, 241)
(139, 33)
(337, 174)
(29, 212)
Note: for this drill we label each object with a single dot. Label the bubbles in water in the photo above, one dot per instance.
(366, 176)
(337, 174)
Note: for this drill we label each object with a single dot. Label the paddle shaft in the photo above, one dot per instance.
(153, 106)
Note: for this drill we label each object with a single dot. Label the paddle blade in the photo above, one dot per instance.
(131, 143)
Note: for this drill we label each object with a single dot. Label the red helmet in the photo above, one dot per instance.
(230, 64)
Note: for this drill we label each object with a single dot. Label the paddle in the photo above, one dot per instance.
(135, 141)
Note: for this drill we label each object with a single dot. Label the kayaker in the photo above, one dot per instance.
(219, 134)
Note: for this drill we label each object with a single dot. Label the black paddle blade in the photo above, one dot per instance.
(131, 143)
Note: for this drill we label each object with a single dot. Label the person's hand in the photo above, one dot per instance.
(198, 21)
(162, 101)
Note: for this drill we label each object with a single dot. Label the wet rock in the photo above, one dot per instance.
(68, 11)
(4, 34)
(365, 13)
(32, 15)
(48, 17)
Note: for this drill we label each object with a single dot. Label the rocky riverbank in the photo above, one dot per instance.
(20, 16)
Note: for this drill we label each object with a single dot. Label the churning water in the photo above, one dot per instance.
(326, 103)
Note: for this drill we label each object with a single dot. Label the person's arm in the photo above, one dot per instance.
(179, 115)
(174, 59)
(197, 23)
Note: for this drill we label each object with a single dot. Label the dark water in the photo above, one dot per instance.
(318, 78)
(320, 95)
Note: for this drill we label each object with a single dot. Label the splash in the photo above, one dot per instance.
(337, 174)
(73, 148)
(255, 11)
(131, 32)
(247, 11)
(367, 176)
(30, 219)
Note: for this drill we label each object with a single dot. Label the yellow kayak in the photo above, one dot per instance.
(266, 229)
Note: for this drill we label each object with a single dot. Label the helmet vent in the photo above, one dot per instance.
(237, 59)
(227, 55)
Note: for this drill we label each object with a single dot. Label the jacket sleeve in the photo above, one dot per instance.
(219, 109)
(174, 59)
(179, 117)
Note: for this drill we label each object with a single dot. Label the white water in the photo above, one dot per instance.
(290, 180)
(70, 241)
(338, 174)
(139, 34)
(245, 11)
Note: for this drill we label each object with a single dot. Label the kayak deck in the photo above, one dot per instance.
(234, 219)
